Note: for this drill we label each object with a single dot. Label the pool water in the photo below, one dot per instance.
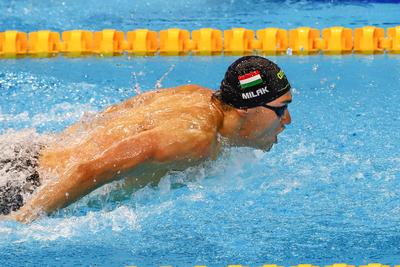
(328, 192)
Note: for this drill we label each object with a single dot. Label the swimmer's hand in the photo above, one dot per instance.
(14, 216)
(23, 215)
(8, 217)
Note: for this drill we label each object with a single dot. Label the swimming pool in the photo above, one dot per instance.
(328, 192)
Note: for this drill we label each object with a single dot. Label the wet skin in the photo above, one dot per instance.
(145, 136)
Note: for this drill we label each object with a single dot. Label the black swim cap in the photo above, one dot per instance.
(252, 81)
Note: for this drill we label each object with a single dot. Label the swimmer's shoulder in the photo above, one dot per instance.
(193, 88)
(193, 91)
(181, 89)
(149, 97)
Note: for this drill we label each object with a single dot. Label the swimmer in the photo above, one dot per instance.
(148, 135)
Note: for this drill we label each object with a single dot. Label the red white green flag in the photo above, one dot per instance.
(250, 79)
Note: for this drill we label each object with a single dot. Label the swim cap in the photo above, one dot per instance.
(252, 81)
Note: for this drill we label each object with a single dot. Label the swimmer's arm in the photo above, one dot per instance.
(179, 144)
(87, 176)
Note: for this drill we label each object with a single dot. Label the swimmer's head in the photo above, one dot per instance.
(252, 81)
(257, 93)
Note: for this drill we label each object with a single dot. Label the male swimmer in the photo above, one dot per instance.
(147, 135)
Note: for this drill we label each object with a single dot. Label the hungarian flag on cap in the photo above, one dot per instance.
(250, 79)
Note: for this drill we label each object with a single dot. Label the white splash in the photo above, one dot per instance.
(50, 229)
(159, 82)
(137, 85)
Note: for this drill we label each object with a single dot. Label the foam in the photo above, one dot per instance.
(22, 144)
(50, 229)
(19, 152)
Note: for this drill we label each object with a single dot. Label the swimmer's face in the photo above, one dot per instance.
(261, 125)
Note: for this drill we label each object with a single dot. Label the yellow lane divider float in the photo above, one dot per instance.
(272, 40)
(206, 41)
(44, 43)
(77, 42)
(141, 41)
(337, 40)
(174, 42)
(13, 43)
(108, 42)
(368, 39)
(238, 41)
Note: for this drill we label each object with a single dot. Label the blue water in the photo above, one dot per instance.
(328, 192)
(221, 14)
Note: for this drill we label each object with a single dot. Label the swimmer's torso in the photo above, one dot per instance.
(181, 118)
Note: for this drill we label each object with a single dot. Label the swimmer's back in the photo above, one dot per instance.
(149, 110)
(173, 110)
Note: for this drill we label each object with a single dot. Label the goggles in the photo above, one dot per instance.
(279, 111)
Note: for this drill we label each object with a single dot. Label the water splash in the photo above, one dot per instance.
(137, 85)
(19, 177)
(159, 81)
(50, 229)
